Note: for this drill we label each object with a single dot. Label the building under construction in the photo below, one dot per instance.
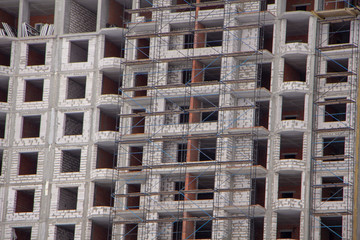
(179, 119)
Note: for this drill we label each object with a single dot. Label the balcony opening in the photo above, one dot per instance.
(113, 48)
(338, 4)
(117, 17)
(262, 114)
(70, 161)
(214, 39)
(264, 4)
(188, 41)
(290, 185)
(183, 2)
(331, 228)
(260, 152)
(302, 5)
(288, 225)
(28, 163)
(138, 123)
(73, 124)
(177, 230)
(133, 202)
(332, 188)
(206, 183)
(131, 232)
(68, 198)
(258, 225)
(111, 83)
(203, 229)
(81, 15)
(76, 87)
(65, 232)
(335, 112)
(268, 33)
(293, 107)
(264, 72)
(4, 88)
(212, 73)
(136, 157)
(41, 20)
(5, 51)
(103, 195)
(79, 51)
(108, 119)
(9, 18)
(291, 145)
(141, 80)
(146, 14)
(295, 69)
(34, 90)
(24, 200)
(179, 186)
(36, 54)
(143, 48)
(297, 31)
(31, 126)
(207, 149)
(21, 233)
(181, 152)
(334, 148)
(337, 67)
(101, 230)
(259, 185)
(2, 124)
(106, 156)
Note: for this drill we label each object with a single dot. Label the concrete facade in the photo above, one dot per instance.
(160, 120)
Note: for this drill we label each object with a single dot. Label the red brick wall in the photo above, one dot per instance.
(295, 229)
(290, 4)
(104, 159)
(111, 50)
(107, 123)
(331, 4)
(49, 19)
(297, 38)
(109, 86)
(290, 188)
(116, 12)
(102, 196)
(290, 74)
(295, 112)
(99, 232)
(298, 152)
(9, 19)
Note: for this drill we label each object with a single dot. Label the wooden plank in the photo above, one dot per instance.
(335, 101)
(337, 47)
(335, 74)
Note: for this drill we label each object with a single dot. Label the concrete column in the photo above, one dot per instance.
(24, 14)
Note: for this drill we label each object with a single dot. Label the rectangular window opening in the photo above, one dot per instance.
(79, 51)
(76, 87)
(73, 124)
(71, 160)
(34, 90)
(28, 163)
(68, 198)
(31, 126)
(332, 189)
(24, 200)
(65, 232)
(36, 54)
